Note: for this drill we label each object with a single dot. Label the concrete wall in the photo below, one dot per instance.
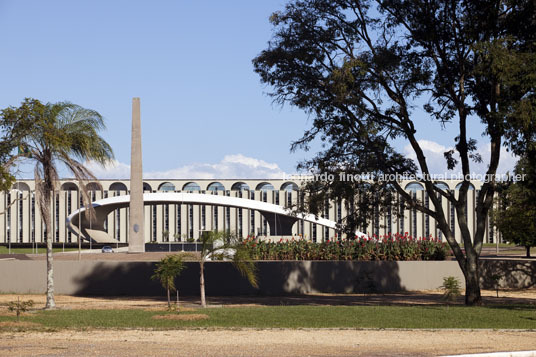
(275, 278)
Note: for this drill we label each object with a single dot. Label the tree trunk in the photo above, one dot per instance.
(51, 303)
(202, 283)
(168, 299)
(528, 251)
(472, 280)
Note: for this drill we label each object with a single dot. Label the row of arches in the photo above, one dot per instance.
(168, 186)
(216, 186)
(416, 186)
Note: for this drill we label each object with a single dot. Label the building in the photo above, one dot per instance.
(21, 222)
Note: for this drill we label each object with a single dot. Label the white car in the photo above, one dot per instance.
(107, 249)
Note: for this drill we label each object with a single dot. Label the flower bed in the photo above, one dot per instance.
(390, 247)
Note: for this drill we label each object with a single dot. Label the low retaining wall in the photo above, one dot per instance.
(275, 278)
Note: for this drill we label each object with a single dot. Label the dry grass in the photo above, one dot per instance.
(13, 326)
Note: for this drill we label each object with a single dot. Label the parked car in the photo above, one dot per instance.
(107, 249)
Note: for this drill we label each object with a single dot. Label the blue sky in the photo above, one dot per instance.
(204, 111)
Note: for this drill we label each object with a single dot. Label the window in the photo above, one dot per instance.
(240, 186)
(191, 186)
(216, 186)
(414, 187)
(117, 232)
(314, 233)
(203, 217)
(264, 186)
(69, 209)
(470, 188)
(215, 217)
(179, 223)
(166, 187)
(240, 222)
(452, 218)
(190, 221)
(377, 220)
(57, 218)
(20, 216)
(389, 214)
(118, 186)
(153, 209)
(32, 220)
(427, 217)
(166, 219)
(289, 187)
(414, 217)
(252, 221)
(401, 212)
(228, 219)
(289, 199)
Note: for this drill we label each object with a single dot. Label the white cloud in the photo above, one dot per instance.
(232, 166)
(437, 164)
(114, 170)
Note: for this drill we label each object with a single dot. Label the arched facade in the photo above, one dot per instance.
(185, 220)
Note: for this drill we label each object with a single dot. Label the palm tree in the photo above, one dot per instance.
(62, 133)
(166, 270)
(225, 246)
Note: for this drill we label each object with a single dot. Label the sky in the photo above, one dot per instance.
(205, 113)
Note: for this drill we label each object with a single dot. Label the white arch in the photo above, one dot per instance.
(105, 206)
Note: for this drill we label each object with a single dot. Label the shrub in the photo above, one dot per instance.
(389, 247)
(19, 306)
(452, 288)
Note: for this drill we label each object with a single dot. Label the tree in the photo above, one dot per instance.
(14, 126)
(60, 133)
(517, 221)
(166, 271)
(225, 246)
(361, 68)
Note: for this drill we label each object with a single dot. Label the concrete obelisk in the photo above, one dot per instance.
(136, 231)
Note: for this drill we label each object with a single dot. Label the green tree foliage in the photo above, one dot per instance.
(14, 126)
(516, 217)
(166, 271)
(221, 245)
(362, 69)
(60, 133)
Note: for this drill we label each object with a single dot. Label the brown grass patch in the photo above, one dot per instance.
(160, 308)
(18, 325)
(186, 317)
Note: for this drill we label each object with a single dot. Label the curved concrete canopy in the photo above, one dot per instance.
(280, 218)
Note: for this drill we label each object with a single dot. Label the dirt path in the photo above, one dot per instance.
(263, 342)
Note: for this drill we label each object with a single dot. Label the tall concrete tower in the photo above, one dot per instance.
(136, 231)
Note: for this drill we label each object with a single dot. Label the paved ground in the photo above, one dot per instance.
(279, 342)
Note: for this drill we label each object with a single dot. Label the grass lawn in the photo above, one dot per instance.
(495, 317)
(40, 250)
